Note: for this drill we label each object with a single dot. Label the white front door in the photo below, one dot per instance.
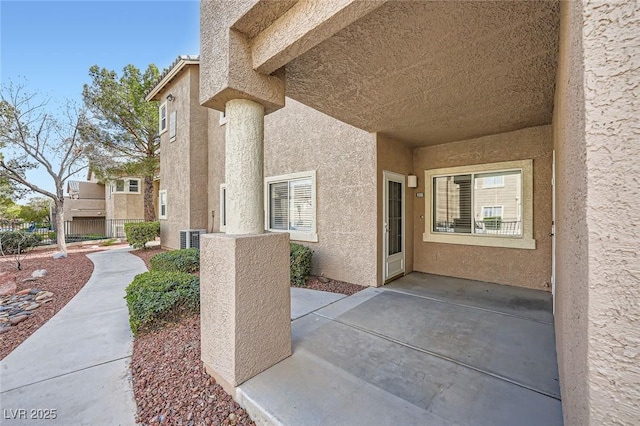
(393, 225)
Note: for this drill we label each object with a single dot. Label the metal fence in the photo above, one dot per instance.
(74, 230)
(491, 226)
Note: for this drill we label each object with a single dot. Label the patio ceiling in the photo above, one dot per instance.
(435, 72)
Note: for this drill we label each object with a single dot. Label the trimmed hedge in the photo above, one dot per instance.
(300, 264)
(16, 242)
(156, 297)
(140, 233)
(185, 260)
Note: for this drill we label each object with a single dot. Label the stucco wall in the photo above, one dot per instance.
(216, 154)
(198, 161)
(611, 43)
(126, 206)
(183, 162)
(91, 190)
(519, 267)
(572, 269)
(298, 139)
(394, 156)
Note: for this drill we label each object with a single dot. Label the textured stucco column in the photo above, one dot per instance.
(244, 162)
(245, 305)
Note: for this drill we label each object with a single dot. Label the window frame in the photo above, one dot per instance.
(294, 235)
(166, 211)
(524, 241)
(163, 107)
(126, 186)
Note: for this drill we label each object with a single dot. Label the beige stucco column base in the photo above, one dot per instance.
(245, 305)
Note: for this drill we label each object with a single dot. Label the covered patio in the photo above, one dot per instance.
(424, 349)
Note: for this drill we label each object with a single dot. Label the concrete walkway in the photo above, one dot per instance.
(78, 362)
(424, 350)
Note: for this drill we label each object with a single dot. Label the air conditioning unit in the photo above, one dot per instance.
(190, 238)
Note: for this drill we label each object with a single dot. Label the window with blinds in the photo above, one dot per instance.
(291, 205)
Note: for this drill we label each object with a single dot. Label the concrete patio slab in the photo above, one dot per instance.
(77, 363)
(516, 301)
(392, 357)
(305, 301)
(513, 348)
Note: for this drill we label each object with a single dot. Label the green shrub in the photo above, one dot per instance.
(300, 264)
(155, 298)
(185, 260)
(52, 235)
(17, 242)
(140, 233)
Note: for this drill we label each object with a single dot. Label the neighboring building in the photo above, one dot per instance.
(453, 93)
(101, 209)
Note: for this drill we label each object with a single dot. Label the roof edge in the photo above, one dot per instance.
(170, 73)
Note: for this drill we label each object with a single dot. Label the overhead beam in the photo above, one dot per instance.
(304, 26)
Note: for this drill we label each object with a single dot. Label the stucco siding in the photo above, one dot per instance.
(519, 267)
(175, 168)
(394, 156)
(216, 152)
(198, 161)
(299, 139)
(611, 42)
(572, 268)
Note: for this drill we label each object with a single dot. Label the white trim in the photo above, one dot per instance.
(294, 235)
(161, 130)
(223, 118)
(160, 194)
(223, 206)
(387, 177)
(173, 126)
(525, 241)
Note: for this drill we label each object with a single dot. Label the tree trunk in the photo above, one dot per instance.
(62, 243)
(149, 208)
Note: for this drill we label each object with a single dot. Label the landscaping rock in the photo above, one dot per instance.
(60, 255)
(32, 306)
(19, 319)
(44, 295)
(29, 279)
(8, 288)
(323, 279)
(4, 329)
(39, 273)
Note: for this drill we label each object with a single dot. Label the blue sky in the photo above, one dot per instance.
(50, 45)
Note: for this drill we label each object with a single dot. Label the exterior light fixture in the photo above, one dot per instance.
(412, 181)
(170, 97)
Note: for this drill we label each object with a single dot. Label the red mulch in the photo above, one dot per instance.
(65, 277)
(333, 286)
(170, 384)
